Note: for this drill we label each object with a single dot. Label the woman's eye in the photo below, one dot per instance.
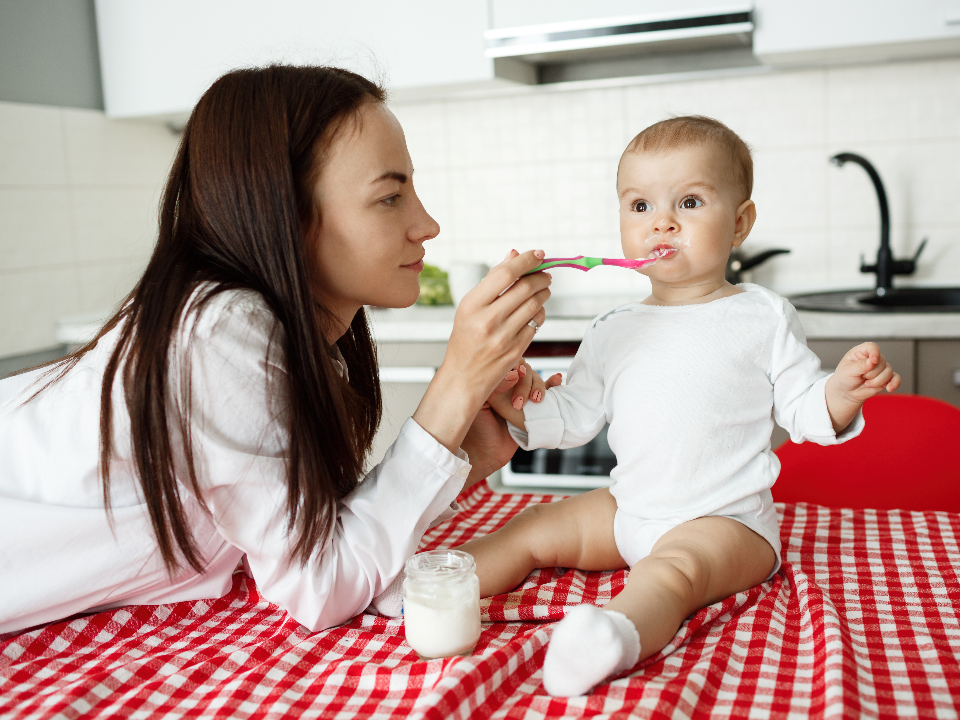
(690, 203)
(640, 206)
(392, 200)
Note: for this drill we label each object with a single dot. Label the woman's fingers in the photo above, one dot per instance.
(531, 309)
(522, 390)
(504, 275)
(491, 327)
(509, 380)
(537, 388)
(521, 292)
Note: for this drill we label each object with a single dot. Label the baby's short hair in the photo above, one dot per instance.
(690, 130)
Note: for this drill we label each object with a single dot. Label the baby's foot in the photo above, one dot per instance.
(588, 646)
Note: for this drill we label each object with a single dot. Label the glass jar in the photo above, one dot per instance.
(441, 604)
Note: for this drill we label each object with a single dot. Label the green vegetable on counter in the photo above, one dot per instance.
(434, 287)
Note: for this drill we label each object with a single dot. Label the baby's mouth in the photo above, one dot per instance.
(663, 251)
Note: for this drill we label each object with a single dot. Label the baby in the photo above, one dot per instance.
(690, 380)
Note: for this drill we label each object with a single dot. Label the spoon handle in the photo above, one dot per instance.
(588, 263)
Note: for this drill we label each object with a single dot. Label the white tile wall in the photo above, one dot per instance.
(536, 169)
(78, 192)
(78, 199)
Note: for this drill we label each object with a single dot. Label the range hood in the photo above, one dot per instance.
(709, 34)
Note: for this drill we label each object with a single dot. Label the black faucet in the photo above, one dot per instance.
(885, 267)
(738, 263)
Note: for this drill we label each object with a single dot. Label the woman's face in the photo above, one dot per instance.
(372, 224)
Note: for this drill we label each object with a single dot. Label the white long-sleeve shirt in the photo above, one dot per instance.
(59, 554)
(690, 392)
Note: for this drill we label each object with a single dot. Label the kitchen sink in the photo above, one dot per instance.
(898, 300)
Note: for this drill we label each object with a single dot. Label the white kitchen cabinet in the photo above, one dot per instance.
(158, 56)
(826, 32)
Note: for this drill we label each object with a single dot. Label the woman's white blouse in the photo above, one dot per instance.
(61, 554)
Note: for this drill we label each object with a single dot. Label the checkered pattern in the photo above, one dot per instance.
(862, 621)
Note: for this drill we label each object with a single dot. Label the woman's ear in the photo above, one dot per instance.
(743, 224)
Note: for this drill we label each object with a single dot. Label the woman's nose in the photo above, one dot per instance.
(425, 228)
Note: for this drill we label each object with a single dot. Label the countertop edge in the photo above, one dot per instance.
(816, 325)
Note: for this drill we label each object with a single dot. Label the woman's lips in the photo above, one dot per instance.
(418, 266)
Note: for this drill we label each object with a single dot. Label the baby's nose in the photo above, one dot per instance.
(665, 223)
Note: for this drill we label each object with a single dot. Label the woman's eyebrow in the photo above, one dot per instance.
(392, 175)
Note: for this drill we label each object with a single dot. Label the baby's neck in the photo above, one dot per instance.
(695, 294)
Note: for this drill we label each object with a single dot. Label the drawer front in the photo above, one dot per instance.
(938, 369)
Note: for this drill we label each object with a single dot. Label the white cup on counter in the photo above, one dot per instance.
(464, 277)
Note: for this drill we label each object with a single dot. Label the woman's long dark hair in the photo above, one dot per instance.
(238, 211)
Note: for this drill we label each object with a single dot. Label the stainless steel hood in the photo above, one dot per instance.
(603, 39)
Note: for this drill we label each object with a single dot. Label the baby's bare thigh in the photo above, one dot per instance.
(723, 556)
(576, 532)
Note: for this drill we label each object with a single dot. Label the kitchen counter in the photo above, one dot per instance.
(434, 324)
(568, 318)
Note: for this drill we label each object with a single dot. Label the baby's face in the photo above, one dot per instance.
(680, 205)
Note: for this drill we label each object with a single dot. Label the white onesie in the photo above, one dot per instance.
(690, 392)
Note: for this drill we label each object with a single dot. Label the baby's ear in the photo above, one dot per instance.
(743, 224)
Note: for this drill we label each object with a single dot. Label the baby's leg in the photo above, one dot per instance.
(575, 533)
(694, 565)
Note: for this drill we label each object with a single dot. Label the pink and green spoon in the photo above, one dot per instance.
(588, 263)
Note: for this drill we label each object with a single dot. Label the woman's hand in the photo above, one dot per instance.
(508, 401)
(490, 332)
(488, 442)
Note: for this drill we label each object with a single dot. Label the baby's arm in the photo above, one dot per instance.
(569, 415)
(862, 373)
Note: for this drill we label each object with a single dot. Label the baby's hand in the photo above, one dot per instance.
(862, 373)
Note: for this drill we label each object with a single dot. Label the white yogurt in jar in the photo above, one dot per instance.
(441, 603)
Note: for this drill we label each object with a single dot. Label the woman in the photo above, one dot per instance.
(225, 411)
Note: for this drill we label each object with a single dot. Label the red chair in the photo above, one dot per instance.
(907, 457)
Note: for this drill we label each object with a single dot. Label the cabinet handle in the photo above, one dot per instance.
(956, 377)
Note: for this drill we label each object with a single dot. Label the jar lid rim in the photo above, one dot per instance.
(440, 566)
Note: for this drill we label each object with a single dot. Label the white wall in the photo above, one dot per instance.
(536, 168)
(78, 199)
(78, 192)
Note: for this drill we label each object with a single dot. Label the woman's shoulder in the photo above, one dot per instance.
(211, 310)
(231, 321)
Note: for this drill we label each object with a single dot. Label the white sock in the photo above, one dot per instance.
(588, 646)
(389, 603)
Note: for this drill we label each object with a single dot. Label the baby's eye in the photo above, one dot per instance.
(689, 203)
(640, 206)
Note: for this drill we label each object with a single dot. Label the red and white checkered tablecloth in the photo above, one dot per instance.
(862, 621)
